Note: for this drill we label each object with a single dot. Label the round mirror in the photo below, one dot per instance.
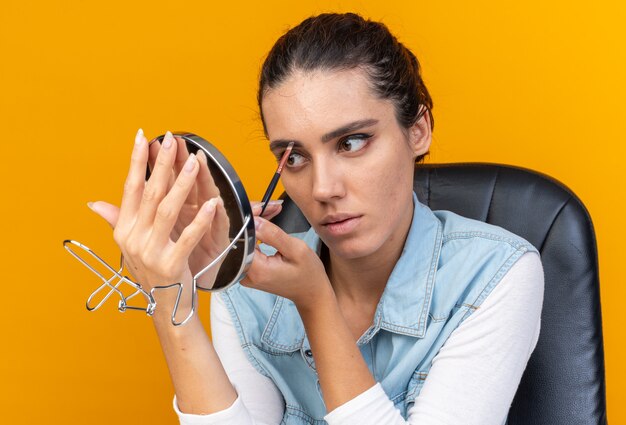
(228, 185)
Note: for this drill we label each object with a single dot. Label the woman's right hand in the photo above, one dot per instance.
(149, 212)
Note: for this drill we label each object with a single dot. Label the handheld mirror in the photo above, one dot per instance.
(237, 206)
(233, 261)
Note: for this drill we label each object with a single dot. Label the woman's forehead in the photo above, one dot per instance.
(319, 101)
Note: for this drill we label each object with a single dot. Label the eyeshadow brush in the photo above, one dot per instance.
(274, 182)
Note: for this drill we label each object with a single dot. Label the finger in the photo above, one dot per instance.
(272, 210)
(206, 185)
(194, 232)
(157, 186)
(182, 154)
(263, 269)
(135, 181)
(221, 224)
(109, 212)
(169, 208)
(154, 149)
(272, 235)
(252, 272)
(217, 239)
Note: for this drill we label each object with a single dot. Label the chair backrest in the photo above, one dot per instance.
(564, 381)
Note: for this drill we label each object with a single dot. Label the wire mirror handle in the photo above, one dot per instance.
(114, 285)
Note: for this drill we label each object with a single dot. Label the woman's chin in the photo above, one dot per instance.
(348, 248)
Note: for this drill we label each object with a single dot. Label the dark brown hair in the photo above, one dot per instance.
(334, 41)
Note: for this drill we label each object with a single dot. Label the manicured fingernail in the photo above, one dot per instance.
(257, 223)
(191, 163)
(276, 202)
(139, 137)
(209, 206)
(90, 205)
(167, 140)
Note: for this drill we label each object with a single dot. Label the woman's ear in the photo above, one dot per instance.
(420, 135)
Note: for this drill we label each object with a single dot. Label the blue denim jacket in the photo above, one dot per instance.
(448, 266)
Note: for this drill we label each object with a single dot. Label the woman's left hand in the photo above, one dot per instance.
(294, 272)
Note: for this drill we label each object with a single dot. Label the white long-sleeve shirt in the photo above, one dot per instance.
(472, 380)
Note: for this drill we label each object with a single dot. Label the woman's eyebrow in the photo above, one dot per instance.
(355, 125)
(344, 129)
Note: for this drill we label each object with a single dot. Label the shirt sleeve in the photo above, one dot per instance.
(259, 402)
(475, 375)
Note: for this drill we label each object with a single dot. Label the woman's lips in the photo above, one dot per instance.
(342, 227)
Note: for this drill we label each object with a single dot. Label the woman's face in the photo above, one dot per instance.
(351, 168)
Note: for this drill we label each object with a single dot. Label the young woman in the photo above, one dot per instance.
(384, 312)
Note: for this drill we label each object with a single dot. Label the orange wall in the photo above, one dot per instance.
(534, 83)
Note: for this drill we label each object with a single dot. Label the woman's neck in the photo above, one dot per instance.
(363, 280)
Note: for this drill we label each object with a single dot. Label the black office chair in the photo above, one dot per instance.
(564, 382)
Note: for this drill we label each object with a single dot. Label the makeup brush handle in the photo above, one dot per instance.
(269, 191)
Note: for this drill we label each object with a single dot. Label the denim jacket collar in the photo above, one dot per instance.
(404, 305)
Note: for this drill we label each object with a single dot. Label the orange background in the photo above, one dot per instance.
(536, 84)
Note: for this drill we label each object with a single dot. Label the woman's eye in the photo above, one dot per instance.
(295, 159)
(354, 143)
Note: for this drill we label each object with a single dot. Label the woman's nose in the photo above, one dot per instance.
(327, 183)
